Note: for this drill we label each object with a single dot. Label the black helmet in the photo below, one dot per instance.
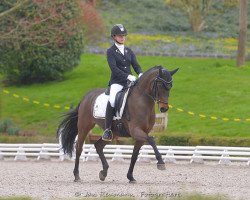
(118, 29)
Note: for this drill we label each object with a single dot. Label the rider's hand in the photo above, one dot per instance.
(131, 78)
(140, 75)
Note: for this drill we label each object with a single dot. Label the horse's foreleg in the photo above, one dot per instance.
(134, 157)
(79, 144)
(99, 145)
(160, 163)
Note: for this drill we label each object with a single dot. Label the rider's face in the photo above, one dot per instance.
(120, 39)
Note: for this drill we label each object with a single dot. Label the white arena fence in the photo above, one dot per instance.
(193, 154)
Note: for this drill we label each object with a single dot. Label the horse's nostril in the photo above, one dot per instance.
(163, 109)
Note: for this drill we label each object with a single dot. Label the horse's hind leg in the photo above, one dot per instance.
(134, 157)
(99, 145)
(79, 144)
(82, 133)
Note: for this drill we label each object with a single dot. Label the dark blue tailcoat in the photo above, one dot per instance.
(120, 64)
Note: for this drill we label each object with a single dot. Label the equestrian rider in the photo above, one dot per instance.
(119, 58)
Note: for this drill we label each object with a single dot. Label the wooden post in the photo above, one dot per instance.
(242, 33)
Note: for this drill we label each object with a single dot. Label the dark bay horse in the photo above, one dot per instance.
(138, 119)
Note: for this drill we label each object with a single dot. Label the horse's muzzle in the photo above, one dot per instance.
(163, 107)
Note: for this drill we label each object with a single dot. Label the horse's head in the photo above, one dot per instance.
(156, 84)
(159, 82)
(161, 88)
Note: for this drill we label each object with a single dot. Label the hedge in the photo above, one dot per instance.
(40, 41)
(176, 140)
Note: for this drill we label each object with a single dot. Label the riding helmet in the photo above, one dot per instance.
(118, 29)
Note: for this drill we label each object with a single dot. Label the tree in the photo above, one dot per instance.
(196, 11)
(15, 7)
(39, 39)
(242, 33)
(94, 28)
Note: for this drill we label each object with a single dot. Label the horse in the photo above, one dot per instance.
(138, 119)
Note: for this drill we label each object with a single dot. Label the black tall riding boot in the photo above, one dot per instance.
(110, 111)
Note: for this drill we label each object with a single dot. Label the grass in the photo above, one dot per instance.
(211, 87)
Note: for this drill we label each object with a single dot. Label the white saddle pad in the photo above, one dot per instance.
(100, 106)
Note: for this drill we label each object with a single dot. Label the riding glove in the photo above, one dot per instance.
(140, 75)
(131, 78)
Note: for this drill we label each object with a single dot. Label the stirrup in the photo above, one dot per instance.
(107, 135)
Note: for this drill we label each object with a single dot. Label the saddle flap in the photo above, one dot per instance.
(120, 101)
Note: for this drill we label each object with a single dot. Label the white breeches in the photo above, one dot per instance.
(114, 89)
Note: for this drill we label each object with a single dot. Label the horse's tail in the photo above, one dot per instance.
(67, 131)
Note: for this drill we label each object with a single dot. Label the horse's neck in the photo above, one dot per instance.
(141, 100)
(145, 83)
(144, 90)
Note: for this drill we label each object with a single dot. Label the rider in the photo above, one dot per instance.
(120, 58)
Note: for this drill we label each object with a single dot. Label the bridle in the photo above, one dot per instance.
(167, 85)
(154, 94)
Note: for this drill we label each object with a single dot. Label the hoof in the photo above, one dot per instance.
(102, 176)
(77, 180)
(133, 181)
(161, 166)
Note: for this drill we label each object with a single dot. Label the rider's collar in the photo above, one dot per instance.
(119, 45)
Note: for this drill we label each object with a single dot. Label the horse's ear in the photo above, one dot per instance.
(160, 72)
(174, 71)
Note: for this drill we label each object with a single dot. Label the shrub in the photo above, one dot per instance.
(4, 125)
(40, 41)
(13, 131)
(94, 30)
(203, 141)
(174, 140)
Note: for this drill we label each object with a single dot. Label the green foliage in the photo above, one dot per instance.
(6, 127)
(174, 140)
(151, 16)
(23, 139)
(189, 140)
(12, 131)
(156, 17)
(5, 124)
(195, 10)
(40, 41)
